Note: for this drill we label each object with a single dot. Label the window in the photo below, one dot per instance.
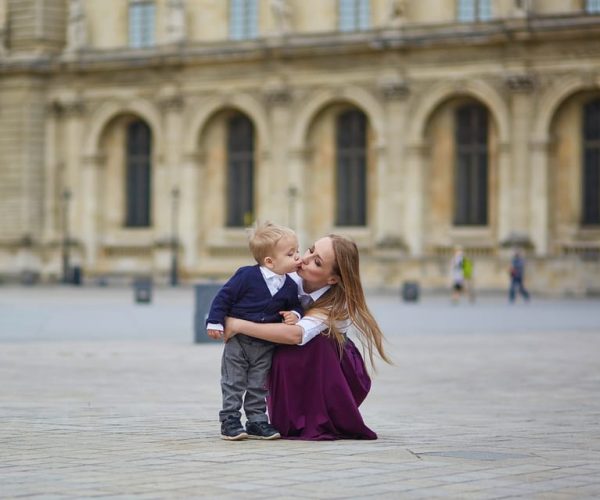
(351, 159)
(243, 19)
(471, 168)
(240, 171)
(142, 15)
(138, 174)
(354, 15)
(592, 6)
(591, 163)
(474, 10)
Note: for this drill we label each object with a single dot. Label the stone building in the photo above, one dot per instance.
(133, 131)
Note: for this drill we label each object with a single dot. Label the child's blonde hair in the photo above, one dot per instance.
(264, 237)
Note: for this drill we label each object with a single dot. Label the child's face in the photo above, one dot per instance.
(285, 258)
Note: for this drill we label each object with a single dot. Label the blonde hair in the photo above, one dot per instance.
(345, 301)
(264, 237)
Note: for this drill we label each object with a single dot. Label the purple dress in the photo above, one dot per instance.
(314, 395)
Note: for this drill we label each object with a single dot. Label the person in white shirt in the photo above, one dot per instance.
(318, 377)
(263, 293)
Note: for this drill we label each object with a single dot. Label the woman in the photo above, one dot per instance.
(318, 380)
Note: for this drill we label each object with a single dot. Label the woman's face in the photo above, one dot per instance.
(316, 269)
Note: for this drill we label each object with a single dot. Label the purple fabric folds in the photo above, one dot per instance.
(314, 395)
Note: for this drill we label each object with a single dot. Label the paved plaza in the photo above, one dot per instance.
(103, 397)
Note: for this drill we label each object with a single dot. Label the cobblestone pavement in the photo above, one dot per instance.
(469, 410)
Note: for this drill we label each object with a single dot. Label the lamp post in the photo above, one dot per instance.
(66, 267)
(174, 236)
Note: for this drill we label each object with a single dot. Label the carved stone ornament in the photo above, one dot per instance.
(176, 29)
(282, 14)
(396, 10)
(394, 90)
(521, 83)
(77, 31)
(279, 95)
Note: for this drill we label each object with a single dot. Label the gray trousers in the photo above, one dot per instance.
(244, 368)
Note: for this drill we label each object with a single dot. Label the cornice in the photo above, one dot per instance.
(550, 29)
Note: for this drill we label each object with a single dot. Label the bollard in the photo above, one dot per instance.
(142, 290)
(410, 291)
(76, 275)
(205, 293)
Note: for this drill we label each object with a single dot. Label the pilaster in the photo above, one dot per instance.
(91, 191)
(414, 193)
(391, 165)
(539, 194)
(521, 87)
(276, 173)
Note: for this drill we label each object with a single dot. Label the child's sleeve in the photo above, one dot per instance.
(225, 298)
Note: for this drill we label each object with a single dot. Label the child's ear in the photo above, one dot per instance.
(268, 262)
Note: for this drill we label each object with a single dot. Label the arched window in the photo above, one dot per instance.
(139, 142)
(351, 159)
(240, 171)
(354, 15)
(471, 168)
(591, 163)
(474, 10)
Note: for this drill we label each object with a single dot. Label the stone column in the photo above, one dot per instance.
(414, 194)
(168, 170)
(539, 197)
(91, 192)
(521, 87)
(390, 226)
(73, 111)
(297, 167)
(277, 179)
(52, 167)
(504, 192)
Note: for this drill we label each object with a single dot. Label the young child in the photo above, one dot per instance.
(263, 293)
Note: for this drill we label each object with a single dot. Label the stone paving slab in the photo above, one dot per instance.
(459, 415)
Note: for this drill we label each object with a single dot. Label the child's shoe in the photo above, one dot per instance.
(261, 430)
(232, 430)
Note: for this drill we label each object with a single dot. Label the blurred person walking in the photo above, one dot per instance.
(517, 277)
(457, 272)
(468, 278)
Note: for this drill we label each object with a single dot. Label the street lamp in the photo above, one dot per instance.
(174, 236)
(66, 267)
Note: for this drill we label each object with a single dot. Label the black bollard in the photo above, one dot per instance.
(142, 290)
(410, 291)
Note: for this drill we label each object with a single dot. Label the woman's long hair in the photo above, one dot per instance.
(345, 301)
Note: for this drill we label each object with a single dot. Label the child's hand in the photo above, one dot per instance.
(289, 317)
(215, 334)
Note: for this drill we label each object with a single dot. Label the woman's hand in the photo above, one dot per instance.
(230, 328)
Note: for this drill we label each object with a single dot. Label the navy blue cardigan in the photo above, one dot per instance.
(246, 296)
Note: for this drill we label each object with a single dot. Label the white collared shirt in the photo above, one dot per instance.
(312, 325)
(274, 281)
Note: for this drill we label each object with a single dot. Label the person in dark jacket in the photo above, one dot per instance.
(517, 277)
(262, 293)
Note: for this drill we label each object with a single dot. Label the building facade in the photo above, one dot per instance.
(133, 131)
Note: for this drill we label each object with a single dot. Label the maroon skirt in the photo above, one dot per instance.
(314, 395)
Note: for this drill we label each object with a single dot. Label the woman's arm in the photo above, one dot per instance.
(279, 333)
